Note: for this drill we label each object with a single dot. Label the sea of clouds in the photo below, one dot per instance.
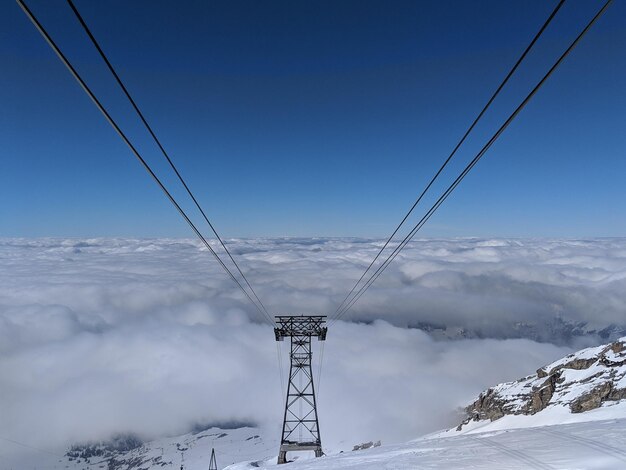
(100, 336)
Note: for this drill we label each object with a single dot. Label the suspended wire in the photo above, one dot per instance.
(178, 174)
(443, 166)
(459, 143)
(319, 371)
(28, 446)
(279, 355)
(158, 142)
(468, 168)
(119, 131)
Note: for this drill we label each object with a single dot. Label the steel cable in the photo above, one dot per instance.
(165, 154)
(459, 143)
(468, 168)
(119, 131)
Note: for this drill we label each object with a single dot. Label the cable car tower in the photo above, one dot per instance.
(301, 431)
(213, 462)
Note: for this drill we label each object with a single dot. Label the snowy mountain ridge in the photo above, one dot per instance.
(191, 450)
(558, 330)
(583, 381)
(569, 415)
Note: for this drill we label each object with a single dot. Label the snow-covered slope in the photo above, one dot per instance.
(192, 450)
(580, 446)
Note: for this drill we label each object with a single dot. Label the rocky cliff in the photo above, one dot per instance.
(588, 379)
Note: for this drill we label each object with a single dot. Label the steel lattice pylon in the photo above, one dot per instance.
(301, 430)
(213, 462)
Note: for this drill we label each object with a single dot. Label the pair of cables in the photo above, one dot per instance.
(361, 286)
(248, 290)
(241, 280)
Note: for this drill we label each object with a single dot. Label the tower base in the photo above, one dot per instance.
(298, 447)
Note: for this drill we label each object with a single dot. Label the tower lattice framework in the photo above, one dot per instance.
(301, 431)
(213, 462)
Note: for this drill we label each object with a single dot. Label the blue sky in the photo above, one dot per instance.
(312, 118)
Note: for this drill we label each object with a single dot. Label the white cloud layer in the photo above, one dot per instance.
(149, 336)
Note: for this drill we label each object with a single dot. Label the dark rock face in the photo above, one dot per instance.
(197, 428)
(576, 364)
(596, 372)
(617, 394)
(492, 405)
(617, 347)
(105, 452)
(560, 331)
(118, 443)
(366, 445)
(592, 399)
(488, 406)
(540, 398)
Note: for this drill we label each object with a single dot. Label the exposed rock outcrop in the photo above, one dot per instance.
(366, 445)
(592, 399)
(582, 381)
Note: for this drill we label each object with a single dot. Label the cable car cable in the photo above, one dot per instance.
(158, 142)
(459, 143)
(119, 131)
(468, 168)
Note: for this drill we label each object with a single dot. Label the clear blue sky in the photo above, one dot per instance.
(312, 118)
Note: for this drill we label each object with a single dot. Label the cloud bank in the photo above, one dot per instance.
(107, 335)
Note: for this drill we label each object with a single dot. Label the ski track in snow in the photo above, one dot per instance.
(618, 453)
(515, 454)
(556, 447)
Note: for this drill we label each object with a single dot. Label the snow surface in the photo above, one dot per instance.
(193, 450)
(514, 442)
(587, 445)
